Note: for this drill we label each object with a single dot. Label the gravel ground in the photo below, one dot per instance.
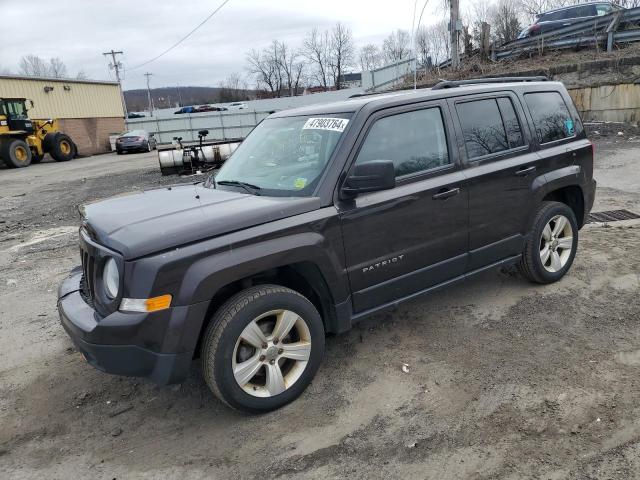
(505, 379)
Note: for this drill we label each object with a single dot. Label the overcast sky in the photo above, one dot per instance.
(78, 31)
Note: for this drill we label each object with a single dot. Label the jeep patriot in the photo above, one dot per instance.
(323, 216)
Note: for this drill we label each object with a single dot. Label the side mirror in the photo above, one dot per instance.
(370, 177)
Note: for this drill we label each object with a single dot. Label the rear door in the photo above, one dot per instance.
(500, 166)
(401, 241)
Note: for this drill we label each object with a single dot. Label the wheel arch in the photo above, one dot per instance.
(563, 185)
(304, 277)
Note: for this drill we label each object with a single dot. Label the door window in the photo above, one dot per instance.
(551, 116)
(603, 9)
(415, 141)
(489, 126)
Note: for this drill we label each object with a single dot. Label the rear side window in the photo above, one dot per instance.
(489, 126)
(415, 141)
(551, 117)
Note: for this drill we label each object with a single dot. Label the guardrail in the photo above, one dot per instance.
(615, 28)
(221, 126)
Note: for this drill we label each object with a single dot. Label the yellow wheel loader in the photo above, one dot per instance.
(24, 141)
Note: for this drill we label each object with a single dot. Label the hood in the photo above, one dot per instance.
(143, 223)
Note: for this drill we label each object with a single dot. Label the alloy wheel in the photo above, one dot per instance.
(556, 243)
(271, 353)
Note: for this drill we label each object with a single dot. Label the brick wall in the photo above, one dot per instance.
(91, 135)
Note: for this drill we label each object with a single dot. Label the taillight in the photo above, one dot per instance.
(534, 28)
(139, 139)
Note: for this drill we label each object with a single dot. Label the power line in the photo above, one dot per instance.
(183, 38)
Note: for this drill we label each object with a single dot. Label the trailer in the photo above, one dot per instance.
(188, 159)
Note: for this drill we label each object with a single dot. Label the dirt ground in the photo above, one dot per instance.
(505, 379)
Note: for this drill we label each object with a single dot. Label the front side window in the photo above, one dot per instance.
(603, 9)
(284, 156)
(489, 126)
(414, 141)
(551, 117)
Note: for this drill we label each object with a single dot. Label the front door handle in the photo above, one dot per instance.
(443, 195)
(525, 171)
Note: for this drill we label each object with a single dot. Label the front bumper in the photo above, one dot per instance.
(158, 345)
(124, 147)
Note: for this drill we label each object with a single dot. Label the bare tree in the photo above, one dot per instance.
(506, 21)
(57, 68)
(341, 52)
(440, 41)
(317, 47)
(233, 89)
(370, 57)
(263, 68)
(81, 75)
(33, 66)
(424, 46)
(396, 46)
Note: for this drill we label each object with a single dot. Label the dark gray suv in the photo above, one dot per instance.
(323, 216)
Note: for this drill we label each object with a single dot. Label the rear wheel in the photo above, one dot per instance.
(262, 348)
(552, 243)
(15, 153)
(62, 148)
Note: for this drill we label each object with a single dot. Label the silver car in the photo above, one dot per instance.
(135, 141)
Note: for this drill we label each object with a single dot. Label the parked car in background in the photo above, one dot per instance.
(209, 108)
(188, 109)
(567, 16)
(136, 115)
(237, 106)
(135, 141)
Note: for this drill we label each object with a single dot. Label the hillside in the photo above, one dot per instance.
(167, 97)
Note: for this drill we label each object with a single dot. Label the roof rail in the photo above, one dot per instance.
(478, 81)
(365, 94)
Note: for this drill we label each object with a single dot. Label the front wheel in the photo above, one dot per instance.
(15, 153)
(552, 243)
(62, 148)
(262, 348)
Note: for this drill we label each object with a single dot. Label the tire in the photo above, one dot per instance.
(119, 152)
(35, 158)
(15, 153)
(250, 313)
(62, 149)
(149, 149)
(557, 246)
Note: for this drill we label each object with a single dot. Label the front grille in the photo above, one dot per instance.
(611, 216)
(88, 277)
(84, 292)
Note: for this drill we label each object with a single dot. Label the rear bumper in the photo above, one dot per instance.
(121, 344)
(130, 146)
(589, 198)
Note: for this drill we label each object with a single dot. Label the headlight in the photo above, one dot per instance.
(111, 278)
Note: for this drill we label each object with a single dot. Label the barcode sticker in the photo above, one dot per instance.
(326, 123)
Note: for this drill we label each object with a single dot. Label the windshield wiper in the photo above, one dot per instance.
(236, 183)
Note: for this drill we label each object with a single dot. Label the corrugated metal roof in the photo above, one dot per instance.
(55, 79)
(60, 98)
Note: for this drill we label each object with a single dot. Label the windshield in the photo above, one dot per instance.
(133, 133)
(284, 156)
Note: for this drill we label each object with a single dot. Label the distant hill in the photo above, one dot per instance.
(168, 97)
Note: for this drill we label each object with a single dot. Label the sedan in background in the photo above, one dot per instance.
(567, 16)
(135, 141)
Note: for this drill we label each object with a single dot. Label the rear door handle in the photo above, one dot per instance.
(525, 171)
(443, 195)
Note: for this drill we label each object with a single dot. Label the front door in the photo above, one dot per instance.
(402, 241)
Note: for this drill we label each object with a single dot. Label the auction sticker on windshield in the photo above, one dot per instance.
(326, 123)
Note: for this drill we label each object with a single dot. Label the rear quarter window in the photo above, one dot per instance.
(489, 126)
(551, 118)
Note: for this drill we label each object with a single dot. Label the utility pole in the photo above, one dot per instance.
(116, 65)
(179, 95)
(454, 15)
(149, 94)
